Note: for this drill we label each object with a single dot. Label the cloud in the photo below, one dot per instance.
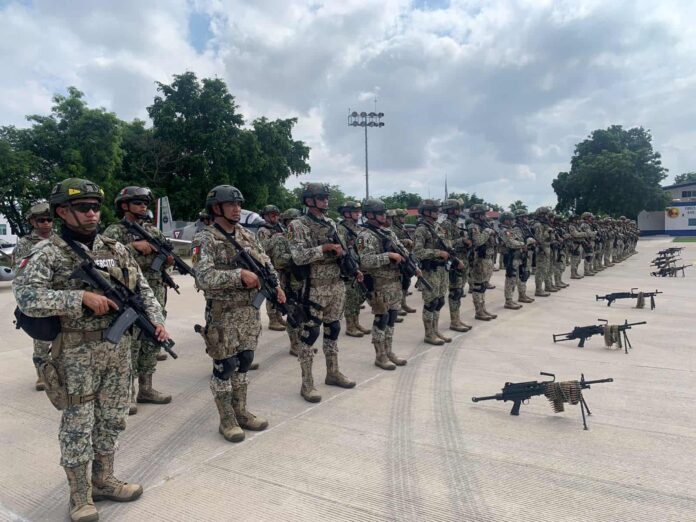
(493, 94)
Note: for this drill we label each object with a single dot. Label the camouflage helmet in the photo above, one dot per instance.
(39, 210)
(392, 212)
(521, 212)
(127, 194)
(401, 212)
(269, 209)
(451, 204)
(622, 218)
(222, 194)
(506, 216)
(374, 205)
(291, 213)
(586, 215)
(428, 204)
(349, 206)
(542, 211)
(311, 190)
(72, 189)
(478, 208)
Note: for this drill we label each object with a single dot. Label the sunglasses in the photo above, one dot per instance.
(139, 202)
(83, 208)
(321, 197)
(44, 220)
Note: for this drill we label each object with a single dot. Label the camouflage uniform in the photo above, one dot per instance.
(484, 247)
(578, 238)
(590, 235)
(348, 232)
(523, 230)
(394, 218)
(543, 234)
(264, 236)
(559, 251)
(513, 246)
(386, 287)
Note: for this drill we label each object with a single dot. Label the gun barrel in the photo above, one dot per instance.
(487, 398)
(599, 381)
(634, 324)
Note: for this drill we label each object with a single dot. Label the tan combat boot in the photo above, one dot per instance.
(333, 376)
(405, 307)
(147, 394)
(229, 427)
(512, 305)
(275, 322)
(436, 328)
(381, 359)
(360, 327)
(81, 504)
(523, 297)
(107, 487)
(133, 406)
(40, 385)
(390, 353)
(245, 418)
(478, 308)
(456, 323)
(430, 336)
(308, 391)
(483, 306)
(352, 329)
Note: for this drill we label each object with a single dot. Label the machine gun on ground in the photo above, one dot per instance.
(639, 296)
(557, 393)
(670, 271)
(612, 334)
(670, 251)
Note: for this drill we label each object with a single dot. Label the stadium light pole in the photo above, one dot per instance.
(365, 120)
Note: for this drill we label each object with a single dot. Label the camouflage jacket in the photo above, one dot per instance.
(425, 244)
(120, 233)
(483, 239)
(374, 259)
(543, 234)
(576, 234)
(267, 232)
(43, 287)
(348, 232)
(24, 246)
(306, 235)
(511, 238)
(456, 238)
(589, 233)
(217, 272)
(402, 234)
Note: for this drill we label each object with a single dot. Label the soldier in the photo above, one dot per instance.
(483, 237)
(313, 246)
(382, 265)
(41, 221)
(202, 222)
(611, 240)
(348, 231)
(459, 242)
(523, 230)
(543, 236)
(271, 214)
(232, 325)
(514, 246)
(559, 250)
(396, 225)
(578, 241)
(428, 248)
(131, 205)
(591, 235)
(95, 373)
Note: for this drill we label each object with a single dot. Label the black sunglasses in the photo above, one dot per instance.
(139, 202)
(44, 220)
(86, 207)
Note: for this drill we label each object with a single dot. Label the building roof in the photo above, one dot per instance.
(680, 185)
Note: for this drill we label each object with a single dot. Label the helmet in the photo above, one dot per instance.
(428, 204)
(374, 205)
(268, 209)
(291, 213)
(349, 206)
(401, 212)
(222, 194)
(586, 215)
(39, 210)
(72, 189)
(311, 190)
(506, 216)
(392, 212)
(542, 211)
(451, 204)
(623, 218)
(130, 193)
(478, 208)
(520, 212)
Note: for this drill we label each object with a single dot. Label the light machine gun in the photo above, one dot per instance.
(670, 271)
(585, 332)
(610, 298)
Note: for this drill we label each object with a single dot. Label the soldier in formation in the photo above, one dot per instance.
(396, 219)
(513, 250)
(272, 227)
(483, 237)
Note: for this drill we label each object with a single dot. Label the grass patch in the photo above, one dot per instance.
(685, 239)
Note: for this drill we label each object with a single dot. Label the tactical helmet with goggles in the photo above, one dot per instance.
(451, 204)
(428, 204)
(222, 194)
(506, 216)
(131, 194)
(73, 189)
(349, 206)
(478, 208)
(520, 212)
(314, 190)
(374, 205)
(268, 209)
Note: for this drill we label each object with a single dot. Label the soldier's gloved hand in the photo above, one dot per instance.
(360, 277)
(99, 304)
(460, 266)
(332, 248)
(395, 258)
(143, 247)
(443, 254)
(419, 273)
(250, 279)
(161, 333)
(280, 295)
(170, 260)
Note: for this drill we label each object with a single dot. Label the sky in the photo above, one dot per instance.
(492, 95)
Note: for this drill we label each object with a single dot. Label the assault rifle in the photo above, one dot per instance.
(670, 271)
(267, 279)
(556, 392)
(610, 298)
(585, 332)
(661, 262)
(164, 250)
(670, 251)
(348, 263)
(130, 306)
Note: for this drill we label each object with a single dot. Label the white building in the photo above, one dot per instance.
(678, 218)
(6, 235)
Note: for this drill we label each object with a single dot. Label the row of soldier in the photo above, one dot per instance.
(303, 253)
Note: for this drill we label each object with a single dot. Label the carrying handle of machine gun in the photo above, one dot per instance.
(547, 374)
(603, 321)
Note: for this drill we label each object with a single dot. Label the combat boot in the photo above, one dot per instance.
(254, 366)
(436, 329)
(524, 298)
(390, 353)
(147, 394)
(478, 308)
(456, 323)
(229, 427)
(274, 322)
(381, 359)
(430, 336)
(333, 376)
(81, 504)
(107, 487)
(399, 319)
(133, 406)
(245, 418)
(360, 327)
(401, 312)
(407, 308)
(489, 286)
(352, 329)
(308, 391)
(512, 305)
(492, 316)
(40, 385)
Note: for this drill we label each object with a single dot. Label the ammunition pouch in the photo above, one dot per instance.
(432, 264)
(39, 328)
(54, 381)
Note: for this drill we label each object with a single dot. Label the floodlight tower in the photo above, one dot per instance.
(365, 120)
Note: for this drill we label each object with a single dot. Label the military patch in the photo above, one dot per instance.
(360, 244)
(291, 232)
(24, 262)
(105, 263)
(74, 192)
(197, 251)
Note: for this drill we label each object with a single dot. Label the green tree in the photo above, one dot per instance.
(615, 172)
(402, 199)
(516, 205)
(686, 177)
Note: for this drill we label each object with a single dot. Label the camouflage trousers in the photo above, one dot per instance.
(354, 298)
(230, 329)
(512, 278)
(543, 269)
(385, 298)
(481, 271)
(332, 299)
(438, 278)
(522, 285)
(457, 280)
(143, 351)
(102, 369)
(42, 349)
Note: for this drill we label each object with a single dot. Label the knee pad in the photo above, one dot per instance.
(224, 368)
(245, 359)
(310, 334)
(331, 330)
(392, 317)
(440, 303)
(431, 306)
(380, 322)
(455, 294)
(478, 288)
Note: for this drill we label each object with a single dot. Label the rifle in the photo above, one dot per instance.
(670, 271)
(662, 262)
(267, 279)
(132, 311)
(164, 249)
(610, 298)
(348, 263)
(585, 332)
(670, 251)
(556, 392)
